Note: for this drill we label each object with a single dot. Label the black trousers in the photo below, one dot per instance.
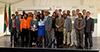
(33, 37)
(13, 33)
(18, 37)
(88, 38)
(59, 36)
(25, 37)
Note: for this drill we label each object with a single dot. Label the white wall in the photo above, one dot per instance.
(98, 27)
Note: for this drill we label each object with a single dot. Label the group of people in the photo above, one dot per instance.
(60, 29)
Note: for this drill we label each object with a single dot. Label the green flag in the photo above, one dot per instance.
(9, 12)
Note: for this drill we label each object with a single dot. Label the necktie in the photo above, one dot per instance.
(13, 23)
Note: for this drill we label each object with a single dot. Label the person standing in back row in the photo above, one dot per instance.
(73, 33)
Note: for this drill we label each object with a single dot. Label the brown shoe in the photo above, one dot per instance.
(15, 42)
(63, 44)
(11, 42)
(67, 45)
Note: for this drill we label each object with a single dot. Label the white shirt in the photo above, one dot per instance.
(88, 18)
(46, 17)
(84, 16)
(41, 23)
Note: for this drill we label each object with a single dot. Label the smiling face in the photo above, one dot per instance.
(73, 12)
(79, 15)
(84, 12)
(19, 16)
(34, 16)
(88, 14)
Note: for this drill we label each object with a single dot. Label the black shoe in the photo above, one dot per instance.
(85, 47)
(10, 45)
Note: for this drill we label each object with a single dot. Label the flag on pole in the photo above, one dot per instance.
(5, 18)
(9, 13)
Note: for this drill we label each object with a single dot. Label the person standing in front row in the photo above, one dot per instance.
(34, 31)
(41, 30)
(59, 29)
(24, 28)
(88, 31)
(52, 28)
(79, 29)
(73, 34)
(47, 29)
(67, 27)
(12, 29)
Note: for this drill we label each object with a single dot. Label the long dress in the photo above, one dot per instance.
(41, 28)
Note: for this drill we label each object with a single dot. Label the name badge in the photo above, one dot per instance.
(72, 22)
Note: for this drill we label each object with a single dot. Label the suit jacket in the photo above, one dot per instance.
(48, 24)
(89, 25)
(68, 24)
(60, 24)
(82, 25)
(10, 25)
(18, 24)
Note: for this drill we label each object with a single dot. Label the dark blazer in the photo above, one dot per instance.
(89, 25)
(18, 24)
(10, 24)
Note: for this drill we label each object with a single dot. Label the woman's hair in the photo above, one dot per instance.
(53, 13)
(42, 17)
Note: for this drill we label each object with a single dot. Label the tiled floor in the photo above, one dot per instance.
(5, 42)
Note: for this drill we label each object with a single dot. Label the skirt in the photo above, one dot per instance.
(41, 31)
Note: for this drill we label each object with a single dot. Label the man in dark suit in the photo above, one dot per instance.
(12, 28)
(89, 30)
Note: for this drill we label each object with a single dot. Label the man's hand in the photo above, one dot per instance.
(78, 28)
(57, 26)
(91, 31)
(20, 30)
(49, 30)
(9, 30)
(33, 29)
(17, 31)
(69, 31)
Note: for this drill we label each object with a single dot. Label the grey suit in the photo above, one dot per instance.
(18, 25)
(67, 26)
(47, 33)
(79, 33)
(13, 30)
(88, 35)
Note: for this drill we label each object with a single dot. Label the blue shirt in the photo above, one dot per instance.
(16, 17)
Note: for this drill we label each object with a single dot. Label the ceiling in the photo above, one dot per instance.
(16, 3)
